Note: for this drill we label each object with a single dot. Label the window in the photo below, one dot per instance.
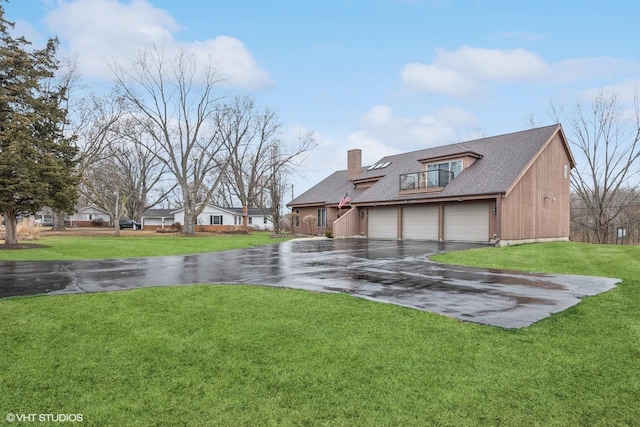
(379, 166)
(215, 219)
(250, 220)
(90, 217)
(566, 171)
(322, 217)
(449, 171)
(264, 220)
(297, 218)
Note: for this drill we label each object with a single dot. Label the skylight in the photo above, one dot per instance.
(379, 166)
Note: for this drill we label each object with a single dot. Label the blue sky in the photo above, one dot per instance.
(385, 76)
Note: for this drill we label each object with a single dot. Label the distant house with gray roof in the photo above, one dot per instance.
(156, 218)
(213, 217)
(504, 189)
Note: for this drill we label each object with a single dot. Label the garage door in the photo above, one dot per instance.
(383, 223)
(420, 223)
(467, 222)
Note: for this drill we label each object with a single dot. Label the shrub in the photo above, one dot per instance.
(176, 226)
(28, 230)
(98, 222)
(311, 222)
(286, 222)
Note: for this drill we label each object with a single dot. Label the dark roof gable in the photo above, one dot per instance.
(501, 159)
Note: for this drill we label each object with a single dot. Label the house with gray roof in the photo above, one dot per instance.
(156, 218)
(213, 217)
(505, 189)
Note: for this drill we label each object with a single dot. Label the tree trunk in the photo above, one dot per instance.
(245, 216)
(59, 220)
(11, 226)
(116, 227)
(188, 228)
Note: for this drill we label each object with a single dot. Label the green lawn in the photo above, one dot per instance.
(560, 257)
(240, 355)
(132, 246)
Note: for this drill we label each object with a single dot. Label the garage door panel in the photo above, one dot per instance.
(420, 223)
(383, 223)
(467, 222)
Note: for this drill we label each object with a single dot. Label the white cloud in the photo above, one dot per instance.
(465, 73)
(373, 149)
(378, 115)
(100, 32)
(626, 92)
(470, 72)
(232, 60)
(494, 64)
(384, 134)
(604, 67)
(433, 79)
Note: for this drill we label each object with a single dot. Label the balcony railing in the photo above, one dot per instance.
(424, 180)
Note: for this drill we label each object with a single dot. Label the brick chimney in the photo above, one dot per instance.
(354, 163)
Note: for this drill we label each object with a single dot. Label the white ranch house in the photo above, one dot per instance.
(216, 215)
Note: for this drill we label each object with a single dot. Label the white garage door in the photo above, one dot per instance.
(383, 223)
(420, 222)
(467, 222)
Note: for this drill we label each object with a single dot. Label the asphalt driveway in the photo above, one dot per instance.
(397, 272)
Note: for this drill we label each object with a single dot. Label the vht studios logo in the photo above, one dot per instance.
(55, 418)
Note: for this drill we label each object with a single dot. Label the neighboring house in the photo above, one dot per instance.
(157, 218)
(44, 216)
(88, 216)
(504, 189)
(219, 216)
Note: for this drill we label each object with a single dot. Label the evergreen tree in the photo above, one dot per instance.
(37, 162)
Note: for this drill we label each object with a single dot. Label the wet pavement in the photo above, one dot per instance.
(396, 272)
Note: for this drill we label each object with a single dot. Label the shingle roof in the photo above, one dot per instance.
(158, 213)
(504, 157)
(250, 211)
(233, 211)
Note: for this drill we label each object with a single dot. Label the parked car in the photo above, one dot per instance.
(129, 223)
(45, 222)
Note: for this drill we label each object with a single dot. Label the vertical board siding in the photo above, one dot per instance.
(538, 205)
(348, 225)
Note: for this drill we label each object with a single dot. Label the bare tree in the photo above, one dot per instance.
(107, 187)
(68, 78)
(258, 167)
(119, 175)
(144, 172)
(103, 183)
(275, 191)
(607, 139)
(174, 101)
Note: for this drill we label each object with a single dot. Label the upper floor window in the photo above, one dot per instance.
(454, 167)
